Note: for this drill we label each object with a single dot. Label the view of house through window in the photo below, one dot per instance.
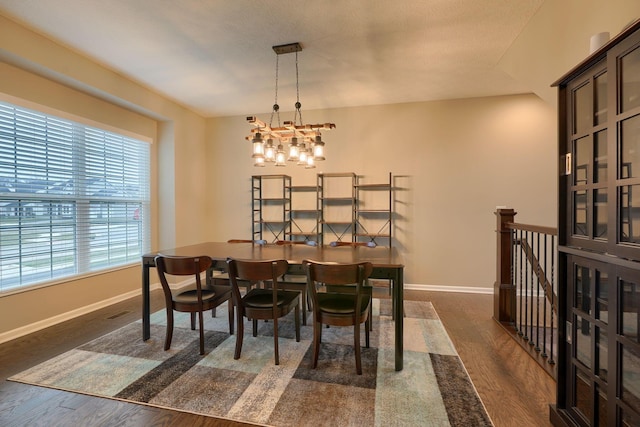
(73, 199)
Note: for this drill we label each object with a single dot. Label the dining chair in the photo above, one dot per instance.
(298, 282)
(369, 244)
(190, 299)
(339, 308)
(262, 303)
(218, 275)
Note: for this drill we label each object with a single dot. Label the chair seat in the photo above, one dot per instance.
(263, 298)
(190, 296)
(341, 303)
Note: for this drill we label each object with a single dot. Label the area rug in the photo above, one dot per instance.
(433, 389)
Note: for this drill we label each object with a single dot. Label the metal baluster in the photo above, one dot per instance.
(526, 289)
(553, 293)
(520, 281)
(538, 292)
(512, 277)
(544, 316)
(531, 289)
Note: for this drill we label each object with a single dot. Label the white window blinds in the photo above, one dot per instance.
(73, 199)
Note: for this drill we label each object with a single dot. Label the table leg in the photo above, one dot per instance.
(399, 314)
(146, 303)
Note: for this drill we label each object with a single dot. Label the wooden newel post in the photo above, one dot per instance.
(503, 290)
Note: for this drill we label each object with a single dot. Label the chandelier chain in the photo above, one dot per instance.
(276, 107)
(298, 113)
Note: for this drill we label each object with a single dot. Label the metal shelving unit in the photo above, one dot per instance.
(304, 217)
(373, 215)
(336, 207)
(339, 207)
(271, 207)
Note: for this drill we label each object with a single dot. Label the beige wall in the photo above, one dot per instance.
(557, 38)
(454, 162)
(38, 72)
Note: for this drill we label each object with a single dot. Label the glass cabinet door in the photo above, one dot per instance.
(588, 331)
(628, 142)
(589, 215)
(599, 237)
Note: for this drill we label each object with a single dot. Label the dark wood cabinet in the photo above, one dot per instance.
(599, 238)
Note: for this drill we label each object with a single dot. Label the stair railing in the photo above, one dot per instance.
(525, 292)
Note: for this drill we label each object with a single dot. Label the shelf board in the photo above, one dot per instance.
(337, 222)
(302, 233)
(374, 186)
(303, 188)
(338, 199)
(338, 175)
(373, 211)
(271, 221)
(273, 176)
(374, 235)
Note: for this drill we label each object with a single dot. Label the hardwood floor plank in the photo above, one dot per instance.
(514, 389)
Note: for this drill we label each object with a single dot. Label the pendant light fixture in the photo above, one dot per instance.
(305, 145)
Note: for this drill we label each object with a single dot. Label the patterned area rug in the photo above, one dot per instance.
(433, 389)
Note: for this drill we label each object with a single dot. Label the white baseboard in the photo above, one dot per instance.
(34, 327)
(442, 288)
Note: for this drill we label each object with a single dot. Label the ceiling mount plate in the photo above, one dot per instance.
(287, 48)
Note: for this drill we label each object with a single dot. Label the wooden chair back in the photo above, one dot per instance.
(181, 266)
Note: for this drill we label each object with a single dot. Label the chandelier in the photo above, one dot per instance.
(304, 142)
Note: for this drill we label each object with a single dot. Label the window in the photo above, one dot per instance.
(74, 199)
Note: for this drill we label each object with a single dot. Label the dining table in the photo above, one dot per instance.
(387, 264)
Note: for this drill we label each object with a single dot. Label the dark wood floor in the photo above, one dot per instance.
(515, 391)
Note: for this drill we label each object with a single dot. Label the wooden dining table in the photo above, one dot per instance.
(387, 264)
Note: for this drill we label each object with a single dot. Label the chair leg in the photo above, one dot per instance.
(231, 310)
(201, 320)
(255, 327)
(303, 298)
(213, 312)
(169, 334)
(367, 328)
(193, 321)
(356, 346)
(239, 333)
(297, 322)
(275, 341)
(317, 335)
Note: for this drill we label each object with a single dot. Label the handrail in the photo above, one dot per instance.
(535, 228)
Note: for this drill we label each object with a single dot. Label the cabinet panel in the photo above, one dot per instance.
(599, 204)
(630, 80)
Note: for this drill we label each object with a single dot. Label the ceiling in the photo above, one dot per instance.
(215, 56)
